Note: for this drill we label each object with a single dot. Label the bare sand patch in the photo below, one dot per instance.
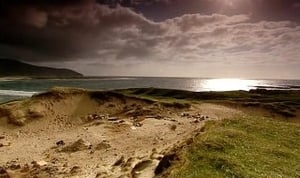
(77, 133)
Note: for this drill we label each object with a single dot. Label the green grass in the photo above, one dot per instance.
(242, 147)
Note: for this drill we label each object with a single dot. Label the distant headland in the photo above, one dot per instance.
(16, 68)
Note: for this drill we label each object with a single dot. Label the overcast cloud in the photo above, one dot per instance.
(120, 41)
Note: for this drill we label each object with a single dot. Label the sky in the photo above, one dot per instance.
(171, 38)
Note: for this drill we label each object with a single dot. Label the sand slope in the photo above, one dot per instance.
(76, 133)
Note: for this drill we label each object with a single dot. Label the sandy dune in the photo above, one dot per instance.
(76, 133)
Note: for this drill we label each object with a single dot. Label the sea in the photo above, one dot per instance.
(11, 89)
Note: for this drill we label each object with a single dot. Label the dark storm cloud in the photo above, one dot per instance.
(72, 30)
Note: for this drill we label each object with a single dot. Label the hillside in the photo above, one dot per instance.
(14, 68)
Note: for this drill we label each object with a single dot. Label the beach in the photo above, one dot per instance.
(149, 89)
(70, 132)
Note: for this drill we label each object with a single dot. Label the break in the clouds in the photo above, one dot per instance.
(97, 39)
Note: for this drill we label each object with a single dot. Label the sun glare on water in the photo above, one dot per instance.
(228, 84)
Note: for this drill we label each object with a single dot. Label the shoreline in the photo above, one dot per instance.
(27, 94)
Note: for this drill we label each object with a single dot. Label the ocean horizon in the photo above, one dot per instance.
(11, 89)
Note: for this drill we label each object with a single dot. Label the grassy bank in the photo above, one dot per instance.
(279, 102)
(242, 147)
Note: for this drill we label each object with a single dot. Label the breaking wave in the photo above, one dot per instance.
(16, 93)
